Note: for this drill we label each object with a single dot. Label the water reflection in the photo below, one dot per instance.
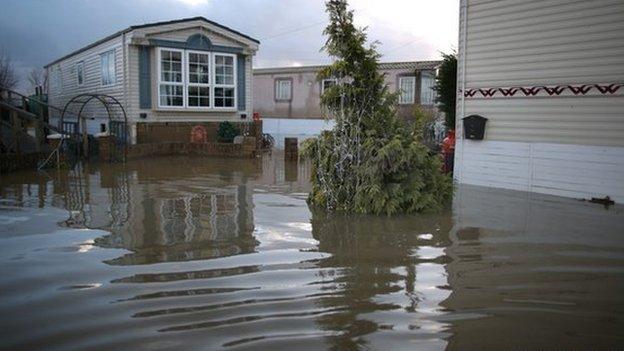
(197, 253)
(390, 272)
(535, 270)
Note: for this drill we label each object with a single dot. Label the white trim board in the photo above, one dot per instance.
(576, 171)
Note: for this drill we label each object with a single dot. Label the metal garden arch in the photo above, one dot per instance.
(117, 122)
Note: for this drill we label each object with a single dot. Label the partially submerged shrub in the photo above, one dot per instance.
(371, 161)
(227, 131)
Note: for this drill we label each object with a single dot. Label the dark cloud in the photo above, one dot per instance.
(35, 32)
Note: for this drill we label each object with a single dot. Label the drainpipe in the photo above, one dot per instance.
(462, 107)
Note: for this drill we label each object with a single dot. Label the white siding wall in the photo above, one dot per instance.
(64, 82)
(564, 145)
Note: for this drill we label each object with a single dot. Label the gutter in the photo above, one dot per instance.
(462, 107)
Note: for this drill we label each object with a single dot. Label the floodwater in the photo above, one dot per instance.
(191, 253)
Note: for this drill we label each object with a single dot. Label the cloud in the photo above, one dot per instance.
(193, 3)
(290, 31)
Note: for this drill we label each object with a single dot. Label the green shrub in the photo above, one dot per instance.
(227, 131)
(371, 161)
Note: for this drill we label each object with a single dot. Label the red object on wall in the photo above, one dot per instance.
(256, 116)
(199, 134)
(448, 151)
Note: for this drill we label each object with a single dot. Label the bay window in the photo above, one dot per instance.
(171, 85)
(196, 79)
(224, 80)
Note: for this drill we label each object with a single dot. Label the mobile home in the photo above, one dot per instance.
(165, 74)
(295, 92)
(549, 77)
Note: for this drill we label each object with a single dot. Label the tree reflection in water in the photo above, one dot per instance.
(375, 265)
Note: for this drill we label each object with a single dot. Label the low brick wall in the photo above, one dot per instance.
(245, 150)
(180, 132)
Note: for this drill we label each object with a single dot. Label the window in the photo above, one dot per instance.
(224, 88)
(171, 86)
(406, 86)
(56, 80)
(198, 79)
(107, 67)
(283, 89)
(326, 84)
(80, 73)
(427, 94)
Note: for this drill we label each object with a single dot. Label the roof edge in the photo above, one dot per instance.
(87, 47)
(197, 18)
(382, 65)
(147, 25)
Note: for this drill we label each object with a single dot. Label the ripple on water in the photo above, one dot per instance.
(194, 253)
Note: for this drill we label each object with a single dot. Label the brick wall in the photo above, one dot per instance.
(180, 132)
(245, 150)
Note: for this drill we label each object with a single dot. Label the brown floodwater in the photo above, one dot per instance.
(191, 253)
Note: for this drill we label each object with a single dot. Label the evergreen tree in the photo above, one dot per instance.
(371, 161)
(446, 88)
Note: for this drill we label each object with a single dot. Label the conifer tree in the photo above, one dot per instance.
(446, 88)
(371, 161)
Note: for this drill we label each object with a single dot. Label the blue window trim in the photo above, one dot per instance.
(192, 45)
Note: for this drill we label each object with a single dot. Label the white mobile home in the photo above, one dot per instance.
(165, 73)
(295, 92)
(549, 77)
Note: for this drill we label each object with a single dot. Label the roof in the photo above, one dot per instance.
(147, 25)
(407, 65)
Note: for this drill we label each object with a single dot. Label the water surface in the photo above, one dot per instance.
(188, 253)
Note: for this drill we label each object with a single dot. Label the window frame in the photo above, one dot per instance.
(215, 85)
(161, 82)
(187, 80)
(185, 84)
(276, 86)
(334, 80)
(80, 73)
(413, 94)
(114, 75)
(433, 95)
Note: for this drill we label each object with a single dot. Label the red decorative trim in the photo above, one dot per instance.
(555, 90)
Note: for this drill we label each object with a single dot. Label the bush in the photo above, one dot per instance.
(227, 131)
(371, 161)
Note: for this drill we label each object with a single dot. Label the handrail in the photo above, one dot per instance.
(13, 92)
(32, 117)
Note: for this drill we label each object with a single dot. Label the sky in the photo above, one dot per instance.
(36, 32)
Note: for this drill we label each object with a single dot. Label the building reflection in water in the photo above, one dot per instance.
(196, 210)
(199, 213)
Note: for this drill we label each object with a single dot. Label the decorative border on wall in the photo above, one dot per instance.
(543, 90)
